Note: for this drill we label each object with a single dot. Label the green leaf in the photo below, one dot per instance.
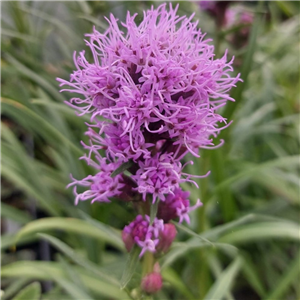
(153, 210)
(64, 248)
(216, 268)
(110, 231)
(50, 270)
(70, 225)
(53, 20)
(9, 241)
(10, 212)
(262, 231)
(32, 292)
(40, 80)
(22, 183)
(9, 105)
(291, 275)
(15, 34)
(250, 170)
(192, 233)
(216, 232)
(171, 276)
(253, 277)
(72, 286)
(131, 264)
(223, 284)
(14, 287)
(180, 249)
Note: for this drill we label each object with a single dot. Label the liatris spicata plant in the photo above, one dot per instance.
(152, 92)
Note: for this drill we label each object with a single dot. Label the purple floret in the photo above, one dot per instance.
(143, 234)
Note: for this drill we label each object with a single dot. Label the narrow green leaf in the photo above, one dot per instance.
(130, 267)
(23, 184)
(40, 80)
(61, 107)
(180, 249)
(110, 231)
(192, 233)
(261, 231)
(218, 230)
(14, 287)
(153, 210)
(53, 20)
(64, 248)
(22, 36)
(32, 292)
(9, 104)
(93, 20)
(70, 225)
(70, 286)
(10, 212)
(223, 284)
(250, 170)
(38, 270)
(9, 241)
(216, 268)
(171, 276)
(85, 7)
(291, 275)
(253, 278)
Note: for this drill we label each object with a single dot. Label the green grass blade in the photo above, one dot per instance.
(262, 231)
(253, 277)
(291, 275)
(130, 267)
(73, 284)
(40, 80)
(14, 288)
(64, 248)
(69, 225)
(169, 275)
(37, 270)
(32, 292)
(223, 284)
(9, 104)
(10, 212)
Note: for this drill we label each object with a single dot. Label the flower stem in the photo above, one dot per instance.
(148, 263)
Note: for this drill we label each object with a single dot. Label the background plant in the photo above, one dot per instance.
(244, 241)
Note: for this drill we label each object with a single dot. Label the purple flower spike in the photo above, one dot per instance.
(160, 77)
(152, 91)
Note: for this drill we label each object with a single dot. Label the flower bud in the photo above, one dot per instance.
(128, 240)
(166, 237)
(152, 283)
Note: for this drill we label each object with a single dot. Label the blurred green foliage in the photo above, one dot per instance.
(242, 244)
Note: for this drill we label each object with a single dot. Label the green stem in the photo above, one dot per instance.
(148, 263)
(153, 210)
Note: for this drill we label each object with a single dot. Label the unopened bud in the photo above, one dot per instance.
(152, 283)
(166, 237)
(128, 240)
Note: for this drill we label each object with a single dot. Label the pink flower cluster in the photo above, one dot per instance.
(152, 92)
